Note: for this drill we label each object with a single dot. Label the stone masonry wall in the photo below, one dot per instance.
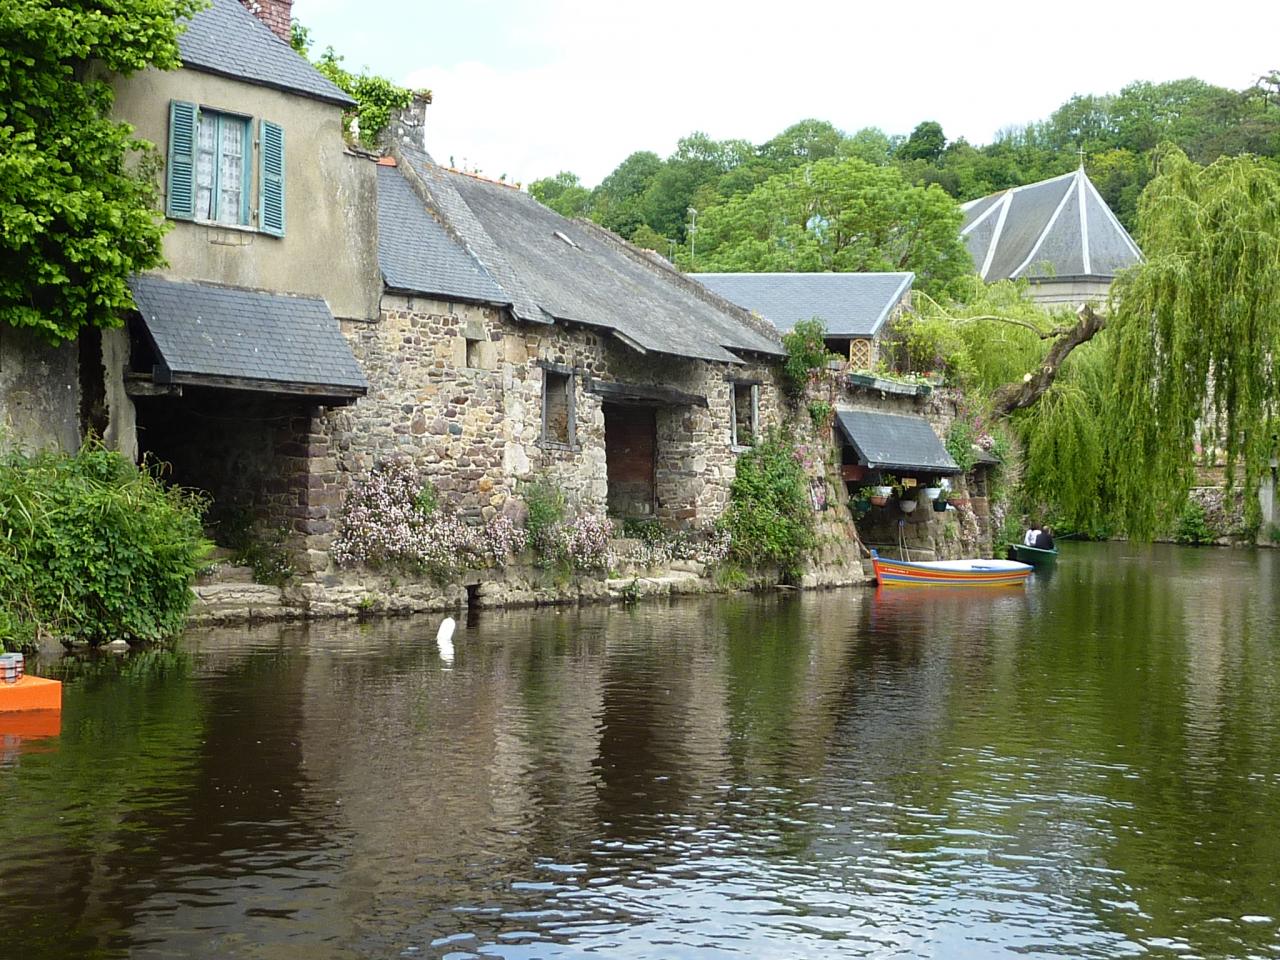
(458, 388)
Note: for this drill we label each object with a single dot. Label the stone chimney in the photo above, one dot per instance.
(409, 126)
(274, 13)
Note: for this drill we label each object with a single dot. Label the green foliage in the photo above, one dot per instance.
(377, 98)
(77, 218)
(959, 443)
(93, 548)
(563, 193)
(268, 555)
(427, 500)
(925, 143)
(807, 354)
(770, 517)
(545, 503)
(821, 413)
(837, 214)
(1194, 328)
(1193, 526)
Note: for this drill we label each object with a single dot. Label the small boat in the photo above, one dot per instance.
(1032, 555)
(950, 572)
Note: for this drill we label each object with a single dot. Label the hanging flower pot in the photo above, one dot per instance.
(885, 492)
(907, 505)
(878, 500)
(862, 504)
(939, 506)
(932, 492)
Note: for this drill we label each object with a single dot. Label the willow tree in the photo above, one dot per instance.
(1195, 331)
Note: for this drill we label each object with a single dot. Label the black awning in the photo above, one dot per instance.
(889, 441)
(643, 393)
(214, 336)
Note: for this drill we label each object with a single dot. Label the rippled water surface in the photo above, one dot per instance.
(1087, 768)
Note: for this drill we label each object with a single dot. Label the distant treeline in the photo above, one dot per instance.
(647, 198)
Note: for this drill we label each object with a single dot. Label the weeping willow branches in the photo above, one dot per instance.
(1195, 331)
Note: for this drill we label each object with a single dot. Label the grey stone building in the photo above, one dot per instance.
(515, 344)
(1058, 234)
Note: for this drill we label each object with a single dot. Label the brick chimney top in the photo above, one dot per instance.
(274, 13)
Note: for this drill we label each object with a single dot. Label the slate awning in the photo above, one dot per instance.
(209, 335)
(890, 441)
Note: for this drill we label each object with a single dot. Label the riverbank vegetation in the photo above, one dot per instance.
(94, 548)
(77, 188)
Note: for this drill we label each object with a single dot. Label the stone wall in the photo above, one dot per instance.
(458, 388)
(39, 393)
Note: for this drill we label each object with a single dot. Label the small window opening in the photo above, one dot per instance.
(746, 413)
(557, 407)
(473, 353)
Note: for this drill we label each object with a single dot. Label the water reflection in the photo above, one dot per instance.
(1087, 767)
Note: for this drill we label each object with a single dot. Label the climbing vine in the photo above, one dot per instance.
(76, 216)
(377, 98)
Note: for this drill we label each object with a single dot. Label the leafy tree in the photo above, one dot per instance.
(697, 162)
(925, 143)
(870, 144)
(616, 203)
(563, 193)
(377, 98)
(76, 216)
(1196, 333)
(837, 214)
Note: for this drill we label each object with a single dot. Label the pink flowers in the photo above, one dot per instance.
(382, 524)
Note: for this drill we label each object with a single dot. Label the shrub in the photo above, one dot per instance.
(94, 548)
(545, 503)
(807, 354)
(1193, 525)
(770, 517)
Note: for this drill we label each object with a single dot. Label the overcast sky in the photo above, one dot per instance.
(527, 88)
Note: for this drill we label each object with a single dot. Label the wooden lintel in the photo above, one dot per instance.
(644, 393)
(135, 386)
(328, 394)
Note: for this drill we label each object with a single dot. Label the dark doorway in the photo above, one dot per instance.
(631, 457)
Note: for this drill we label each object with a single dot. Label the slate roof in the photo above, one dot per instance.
(1059, 228)
(551, 269)
(204, 333)
(850, 304)
(417, 254)
(226, 39)
(891, 441)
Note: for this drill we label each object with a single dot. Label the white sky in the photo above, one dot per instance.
(527, 89)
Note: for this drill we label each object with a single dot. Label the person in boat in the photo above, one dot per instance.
(1029, 538)
(1044, 539)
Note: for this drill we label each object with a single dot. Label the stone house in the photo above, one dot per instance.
(513, 344)
(857, 308)
(1059, 235)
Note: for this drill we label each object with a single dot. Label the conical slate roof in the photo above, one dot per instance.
(1054, 229)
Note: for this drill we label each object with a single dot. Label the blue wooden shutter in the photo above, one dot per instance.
(180, 176)
(271, 181)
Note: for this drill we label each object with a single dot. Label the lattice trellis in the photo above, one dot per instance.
(860, 354)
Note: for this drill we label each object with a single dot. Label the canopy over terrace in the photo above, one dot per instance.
(895, 443)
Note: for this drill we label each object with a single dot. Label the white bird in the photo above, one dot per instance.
(444, 639)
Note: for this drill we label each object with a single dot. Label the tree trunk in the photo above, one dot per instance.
(1015, 396)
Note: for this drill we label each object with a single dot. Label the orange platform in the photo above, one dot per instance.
(31, 693)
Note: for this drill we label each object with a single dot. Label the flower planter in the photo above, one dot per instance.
(885, 492)
(862, 504)
(933, 492)
(878, 501)
(939, 506)
(907, 505)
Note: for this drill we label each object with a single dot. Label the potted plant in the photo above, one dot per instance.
(907, 505)
(879, 496)
(940, 501)
(932, 492)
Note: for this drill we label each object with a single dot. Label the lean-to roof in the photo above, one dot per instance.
(849, 304)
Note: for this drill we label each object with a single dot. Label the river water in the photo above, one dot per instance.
(1087, 767)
